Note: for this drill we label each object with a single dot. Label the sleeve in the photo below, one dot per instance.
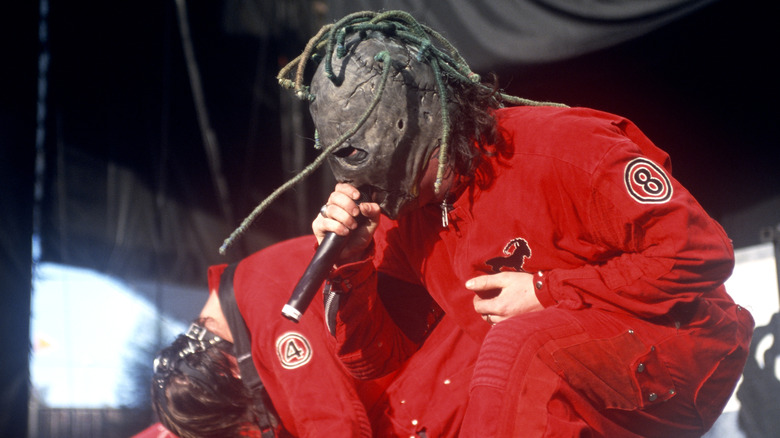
(369, 342)
(658, 247)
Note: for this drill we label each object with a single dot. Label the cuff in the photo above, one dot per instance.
(542, 290)
(348, 276)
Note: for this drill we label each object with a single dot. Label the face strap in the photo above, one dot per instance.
(201, 338)
(172, 361)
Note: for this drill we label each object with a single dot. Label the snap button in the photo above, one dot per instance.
(652, 397)
(640, 368)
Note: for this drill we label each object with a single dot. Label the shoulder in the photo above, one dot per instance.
(559, 123)
(273, 271)
(573, 137)
(281, 253)
(557, 114)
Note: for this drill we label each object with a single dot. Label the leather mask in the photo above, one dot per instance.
(386, 157)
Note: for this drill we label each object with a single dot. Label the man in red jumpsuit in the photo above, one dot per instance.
(557, 237)
(311, 392)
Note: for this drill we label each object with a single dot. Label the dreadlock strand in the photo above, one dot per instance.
(520, 101)
(383, 57)
(433, 48)
(300, 61)
(445, 44)
(405, 17)
(354, 17)
(445, 127)
(388, 29)
(311, 45)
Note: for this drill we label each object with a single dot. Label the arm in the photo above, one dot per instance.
(621, 234)
(660, 248)
(369, 342)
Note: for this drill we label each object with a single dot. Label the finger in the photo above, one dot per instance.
(483, 282)
(334, 216)
(321, 226)
(370, 210)
(344, 202)
(348, 190)
(486, 310)
(486, 286)
(486, 304)
(344, 217)
(480, 306)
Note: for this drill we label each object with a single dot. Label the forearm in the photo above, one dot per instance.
(368, 341)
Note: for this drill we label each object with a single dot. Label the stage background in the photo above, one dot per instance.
(135, 136)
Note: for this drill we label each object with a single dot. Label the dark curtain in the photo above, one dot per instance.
(18, 31)
(499, 32)
(141, 182)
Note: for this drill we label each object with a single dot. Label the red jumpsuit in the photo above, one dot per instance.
(311, 390)
(638, 336)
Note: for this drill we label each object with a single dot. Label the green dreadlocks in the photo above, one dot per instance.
(432, 48)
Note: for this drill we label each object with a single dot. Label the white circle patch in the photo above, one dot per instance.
(647, 182)
(293, 350)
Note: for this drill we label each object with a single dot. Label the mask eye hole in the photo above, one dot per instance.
(351, 154)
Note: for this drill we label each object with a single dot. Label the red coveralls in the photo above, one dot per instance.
(638, 336)
(311, 390)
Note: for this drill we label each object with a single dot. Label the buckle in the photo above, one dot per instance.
(196, 332)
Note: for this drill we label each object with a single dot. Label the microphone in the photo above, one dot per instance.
(316, 273)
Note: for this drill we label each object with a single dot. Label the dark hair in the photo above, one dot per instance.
(473, 126)
(199, 395)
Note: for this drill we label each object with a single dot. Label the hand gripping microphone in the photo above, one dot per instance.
(316, 273)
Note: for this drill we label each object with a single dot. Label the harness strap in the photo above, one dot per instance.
(242, 344)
